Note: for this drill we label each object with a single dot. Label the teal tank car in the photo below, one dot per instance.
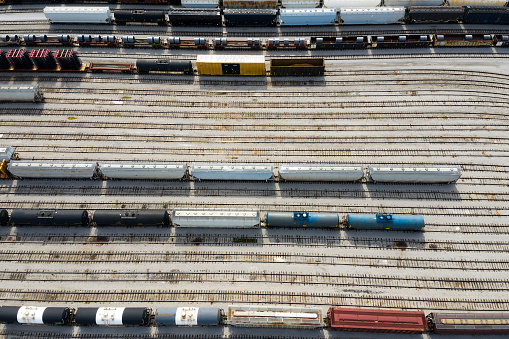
(382, 221)
(302, 219)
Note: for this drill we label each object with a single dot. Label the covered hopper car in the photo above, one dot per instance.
(215, 218)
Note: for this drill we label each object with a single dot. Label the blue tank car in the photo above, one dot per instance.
(382, 221)
(302, 219)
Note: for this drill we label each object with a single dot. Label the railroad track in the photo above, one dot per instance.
(189, 257)
(261, 140)
(218, 115)
(129, 203)
(242, 277)
(43, 27)
(389, 93)
(268, 190)
(253, 297)
(275, 238)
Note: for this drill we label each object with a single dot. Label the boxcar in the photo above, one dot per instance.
(370, 320)
(36, 217)
(382, 221)
(302, 219)
(214, 64)
(470, 323)
(131, 218)
(297, 67)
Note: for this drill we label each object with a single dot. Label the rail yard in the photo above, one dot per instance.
(141, 200)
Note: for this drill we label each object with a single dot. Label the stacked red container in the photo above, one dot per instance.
(68, 59)
(43, 59)
(19, 59)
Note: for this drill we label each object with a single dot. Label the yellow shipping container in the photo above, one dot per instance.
(230, 64)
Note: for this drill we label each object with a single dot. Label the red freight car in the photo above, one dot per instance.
(370, 320)
(470, 323)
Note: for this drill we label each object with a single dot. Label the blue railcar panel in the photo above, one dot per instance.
(385, 222)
